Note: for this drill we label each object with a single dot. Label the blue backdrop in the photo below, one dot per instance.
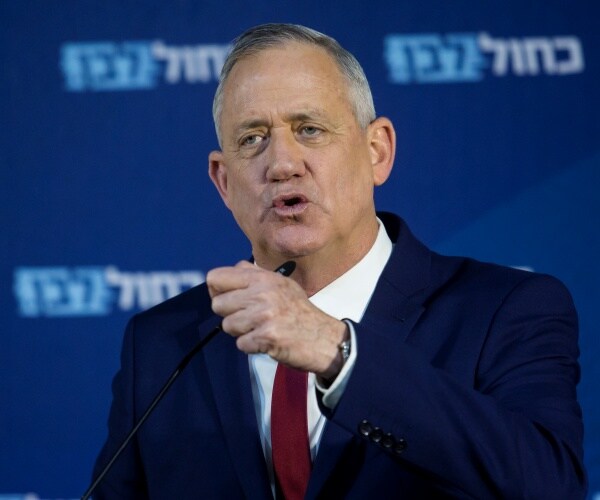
(105, 112)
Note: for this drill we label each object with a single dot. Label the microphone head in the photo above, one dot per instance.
(287, 268)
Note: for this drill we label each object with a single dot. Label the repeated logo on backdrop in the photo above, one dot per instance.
(137, 65)
(94, 291)
(411, 58)
(470, 57)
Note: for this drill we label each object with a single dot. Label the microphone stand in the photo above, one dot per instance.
(180, 367)
(285, 269)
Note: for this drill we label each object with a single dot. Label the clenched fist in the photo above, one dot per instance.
(269, 313)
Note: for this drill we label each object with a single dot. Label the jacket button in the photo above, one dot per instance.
(388, 440)
(376, 435)
(365, 428)
(400, 446)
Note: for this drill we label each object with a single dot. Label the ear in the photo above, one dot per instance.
(382, 145)
(217, 171)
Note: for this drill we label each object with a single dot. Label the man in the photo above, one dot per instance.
(429, 376)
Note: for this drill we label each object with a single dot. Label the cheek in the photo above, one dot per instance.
(242, 204)
(244, 197)
(354, 179)
(239, 185)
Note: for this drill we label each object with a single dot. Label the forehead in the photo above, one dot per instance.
(291, 75)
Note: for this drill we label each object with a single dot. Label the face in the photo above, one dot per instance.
(296, 170)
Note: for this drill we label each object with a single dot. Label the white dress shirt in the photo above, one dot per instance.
(346, 297)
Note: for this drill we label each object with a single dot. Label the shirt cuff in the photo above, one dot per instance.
(332, 394)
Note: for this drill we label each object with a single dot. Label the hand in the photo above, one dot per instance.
(270, 313)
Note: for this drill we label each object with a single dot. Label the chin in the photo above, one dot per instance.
(295, 242)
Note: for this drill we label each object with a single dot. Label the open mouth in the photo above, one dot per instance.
(290, 205)
(289, 201)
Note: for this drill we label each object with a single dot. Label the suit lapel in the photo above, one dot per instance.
(394, 322)
(230, 381)
(393, 311)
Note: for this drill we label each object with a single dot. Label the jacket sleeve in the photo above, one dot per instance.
(512, 428)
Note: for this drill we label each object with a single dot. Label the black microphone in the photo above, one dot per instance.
(286, 269)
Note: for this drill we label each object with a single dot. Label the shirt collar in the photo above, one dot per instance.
(348, 296)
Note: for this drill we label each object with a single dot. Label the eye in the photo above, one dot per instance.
(310, 131)
(251, 140)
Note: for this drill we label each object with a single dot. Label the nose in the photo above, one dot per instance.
(284, 156)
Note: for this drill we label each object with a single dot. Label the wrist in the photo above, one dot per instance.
(342, 353)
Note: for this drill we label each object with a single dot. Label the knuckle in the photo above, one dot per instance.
(242, 344)
(270, 334)
(216, 303)
(209, 277)
(226, 324)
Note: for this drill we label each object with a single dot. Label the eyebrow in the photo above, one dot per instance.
(311, 114)
(308, 115)
(250, 124)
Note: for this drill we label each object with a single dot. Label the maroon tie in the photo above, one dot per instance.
(289, 433)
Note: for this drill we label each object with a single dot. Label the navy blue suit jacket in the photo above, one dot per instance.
(464, 387)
